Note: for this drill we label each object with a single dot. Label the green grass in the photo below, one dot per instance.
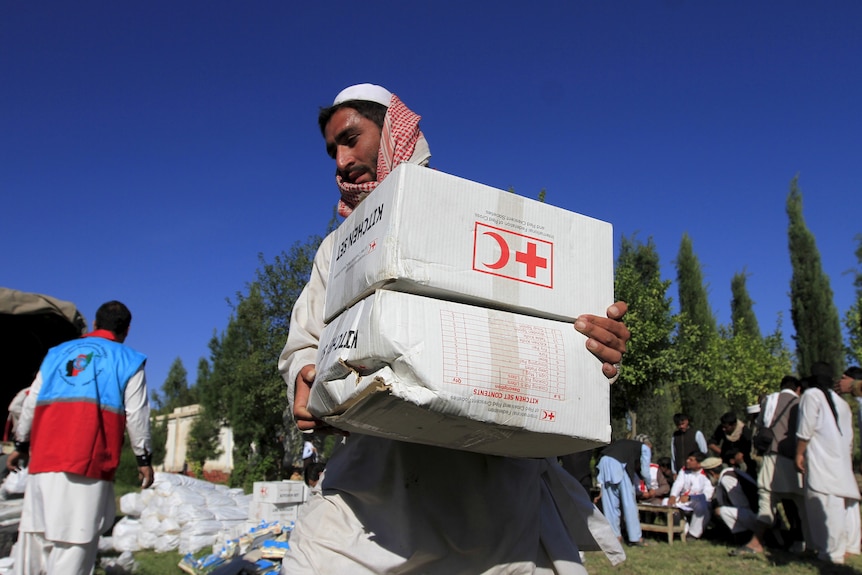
(153, 563)
(706, 557)
(702, 557)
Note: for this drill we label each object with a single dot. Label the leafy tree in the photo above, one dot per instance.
(158, 437)
(252, 391)
(175, 390)
(747, 365)
(281, 281)
(742, 316)
(812, 308)
(244, 389)
(697, 330)
(644, 393)
(853, 317)
(203, 442)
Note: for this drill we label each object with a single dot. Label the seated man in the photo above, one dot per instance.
(735, 496)
(655, 491)
(692, 493)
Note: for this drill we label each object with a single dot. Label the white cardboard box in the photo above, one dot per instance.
(280, 492)
(443, 373)
(429, 233)
(263, 511)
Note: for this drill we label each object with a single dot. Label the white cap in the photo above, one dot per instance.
(752, 409)
(365, 92)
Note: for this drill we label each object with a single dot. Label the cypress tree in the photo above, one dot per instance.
(812, 308)
(742, 315)
(853, 317)
(693, 299)
(696, 334)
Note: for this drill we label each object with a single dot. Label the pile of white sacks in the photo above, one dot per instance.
(178, 513)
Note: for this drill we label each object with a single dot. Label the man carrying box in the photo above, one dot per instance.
(390, 506)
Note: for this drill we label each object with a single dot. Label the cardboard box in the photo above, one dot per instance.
(443, 373)
(284, 513)
(429, 233)
(280, 491)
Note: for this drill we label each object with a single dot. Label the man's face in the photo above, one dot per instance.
(845, 384)
(728, 427)
(353, 141)
(683, 425)
(691, 463)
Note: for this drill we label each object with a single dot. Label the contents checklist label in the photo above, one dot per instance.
(503, 357)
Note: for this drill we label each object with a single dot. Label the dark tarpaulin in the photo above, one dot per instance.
(31, 324)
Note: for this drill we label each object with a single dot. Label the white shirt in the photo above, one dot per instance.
(828, 460)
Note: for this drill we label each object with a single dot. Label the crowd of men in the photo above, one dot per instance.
(782, 478)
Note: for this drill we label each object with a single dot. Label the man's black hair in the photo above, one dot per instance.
(113, 316)
(698, 455)
(313, 471)
(728, 418)
(371, 110)
(822, 377)
(790, 382)
(680, 417)
(853, 372)
(730, 454)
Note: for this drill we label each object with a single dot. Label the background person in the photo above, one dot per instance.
(778, 480)
(732, 433)
(735, 496)
(622, 466)
(824, 446)
(88, 392)
(685, 440)
(692, 492)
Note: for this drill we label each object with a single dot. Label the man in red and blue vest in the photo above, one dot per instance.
(87, 393)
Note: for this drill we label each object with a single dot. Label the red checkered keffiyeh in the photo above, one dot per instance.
(397, 143)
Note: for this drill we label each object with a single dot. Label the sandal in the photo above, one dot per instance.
(742, 551)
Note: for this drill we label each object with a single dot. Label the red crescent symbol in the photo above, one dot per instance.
(504, 251)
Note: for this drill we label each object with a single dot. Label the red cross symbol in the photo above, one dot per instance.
(549, 415)
(372, 245)
(531, 260)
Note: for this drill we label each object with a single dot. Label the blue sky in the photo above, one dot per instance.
(150, 150)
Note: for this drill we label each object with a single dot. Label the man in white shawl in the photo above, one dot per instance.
(392, 507)
(824, 450)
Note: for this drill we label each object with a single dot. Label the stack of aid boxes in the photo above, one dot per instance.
(450, 309)
(276, 501)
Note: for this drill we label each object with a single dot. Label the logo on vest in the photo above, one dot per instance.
(513, 255)
(82, 366)
(79, 364)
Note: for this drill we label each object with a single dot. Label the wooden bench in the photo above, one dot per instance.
(668, 527)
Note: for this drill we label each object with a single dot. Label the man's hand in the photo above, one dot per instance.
(146, 475)
(13, 462)
(801, 448)
(305, 421)
(607, 336)
(304, 380)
